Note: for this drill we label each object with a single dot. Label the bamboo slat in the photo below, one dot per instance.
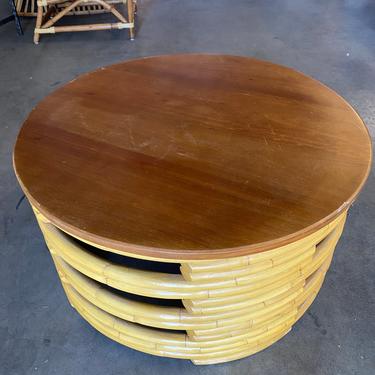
(155, 284)
(169, 345)
(230, 309)
(28, 8)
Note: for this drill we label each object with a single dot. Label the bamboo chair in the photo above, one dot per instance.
(49, 12)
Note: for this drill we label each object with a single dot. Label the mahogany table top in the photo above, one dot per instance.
(192, 156)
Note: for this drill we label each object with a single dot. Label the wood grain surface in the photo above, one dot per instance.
(192, 156)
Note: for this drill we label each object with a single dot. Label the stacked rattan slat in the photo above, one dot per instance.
(232, 308)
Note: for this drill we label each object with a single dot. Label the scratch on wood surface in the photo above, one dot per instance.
(132, 142)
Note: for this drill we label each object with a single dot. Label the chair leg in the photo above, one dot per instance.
(39, 18)
(131, 18)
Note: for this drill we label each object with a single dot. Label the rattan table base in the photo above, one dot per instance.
(232, 308)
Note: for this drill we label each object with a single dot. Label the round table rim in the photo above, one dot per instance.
(174, 255)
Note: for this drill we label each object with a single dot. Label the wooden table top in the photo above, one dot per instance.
(192, 156)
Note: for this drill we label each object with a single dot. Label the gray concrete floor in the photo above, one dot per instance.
(331, 40)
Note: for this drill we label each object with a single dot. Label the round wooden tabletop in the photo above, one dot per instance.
(192, 156)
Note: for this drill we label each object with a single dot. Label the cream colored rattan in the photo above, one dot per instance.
(232, 308)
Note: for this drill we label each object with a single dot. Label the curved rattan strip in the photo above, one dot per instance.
(301, 303)
(153, 284)
(255, 332)
(238, 330)
(172, 337)
(133, 311)
(263, 344)
(283, 252)
(195, 321)
(148, 342)
(223, 323)
(82, 267)
(252, 271)
(247, 299)
(292, 274)
(155, 316)
(184, 320)
(145, 282)
(284, 281)
(324, 250)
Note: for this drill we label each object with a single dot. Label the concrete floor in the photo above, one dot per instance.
(331, 40)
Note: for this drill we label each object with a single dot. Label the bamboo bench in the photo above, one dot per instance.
(49, 12)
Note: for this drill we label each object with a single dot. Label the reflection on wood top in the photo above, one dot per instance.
(192, 156)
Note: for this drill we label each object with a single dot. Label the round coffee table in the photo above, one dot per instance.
(192, 203)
